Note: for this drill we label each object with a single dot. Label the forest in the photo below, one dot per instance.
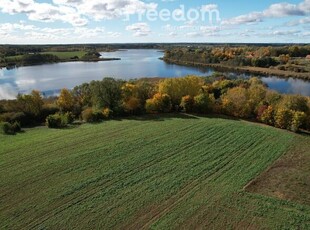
(111, 98)
(278, 60)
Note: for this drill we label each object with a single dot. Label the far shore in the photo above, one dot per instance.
(15, 65)
(246, 69)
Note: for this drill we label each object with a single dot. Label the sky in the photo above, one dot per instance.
(136, 21)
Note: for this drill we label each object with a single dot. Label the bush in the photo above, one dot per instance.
(58, 121)
(48, 109)
(107, 113)
(16, 127)
(187, 103)
(69, 116)
(14, 117)
(7, 128)
(89, 115)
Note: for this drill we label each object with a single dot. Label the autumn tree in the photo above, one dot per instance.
(256, 96)
(177, 88)
(294, 102)
(283, 118)
(203, 103)
(188, 103)
(159, 103)
(235, 102)
(298, 120)
(82, 94)
(284, 59)
(65, 100)
(31, 104)
(266, 115)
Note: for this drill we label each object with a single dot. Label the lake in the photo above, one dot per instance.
(50, 78)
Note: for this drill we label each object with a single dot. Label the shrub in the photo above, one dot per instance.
(48, 109)
(16, 127)
(89, 115)
(69, 116)
(187, 103)
(6, 128)
(98, 116)
(107, 113)
(57, 121)
(307, 122)
(14, 117)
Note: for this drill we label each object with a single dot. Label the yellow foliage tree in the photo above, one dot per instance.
(159, 103)
(236, 102)
(65, 100)
(177, 88)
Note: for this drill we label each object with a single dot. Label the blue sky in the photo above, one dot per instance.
(123, 21)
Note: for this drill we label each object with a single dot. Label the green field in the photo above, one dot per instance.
(166, 172)
(67, 55)
(61, 55)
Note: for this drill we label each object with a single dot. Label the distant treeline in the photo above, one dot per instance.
(238, 56)
(43, 58)
(100, 100)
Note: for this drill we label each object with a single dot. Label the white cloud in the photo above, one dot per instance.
(139, 29)
(277, 10)
(20, 32)
(75, 12)
(209, 7)
(286, 32)
(43, 12)
(244, 19)
(107, 9)
(114, 34)
(302, 21)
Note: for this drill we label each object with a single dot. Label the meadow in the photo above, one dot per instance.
(159, 172)
(67, 55)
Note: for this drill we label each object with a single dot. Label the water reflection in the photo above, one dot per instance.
(133, 64)
(288, 86)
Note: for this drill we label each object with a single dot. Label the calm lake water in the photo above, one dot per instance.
(50, 78)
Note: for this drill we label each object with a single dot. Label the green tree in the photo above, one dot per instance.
(203, 103)
(30, 104)
(107, 93)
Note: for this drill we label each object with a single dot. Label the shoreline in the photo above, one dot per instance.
(16, 65)
(247, 69)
